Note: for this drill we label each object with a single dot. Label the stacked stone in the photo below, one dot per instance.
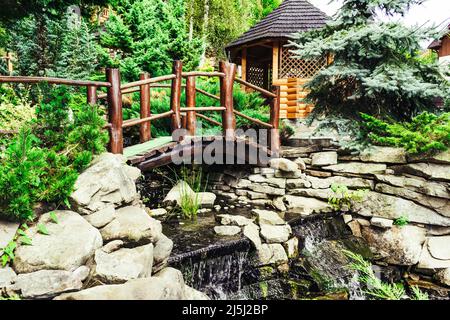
(109, 245)
(269, 233)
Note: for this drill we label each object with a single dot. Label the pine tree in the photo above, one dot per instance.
(377, 67)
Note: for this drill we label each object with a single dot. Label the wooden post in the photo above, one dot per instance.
(9, 63)
(145, 128)
(176, 94)
(190, 103)
(226, 98)
(115, 110)
(275, 143)
(275, 60)
(244, 67)
(92, 95)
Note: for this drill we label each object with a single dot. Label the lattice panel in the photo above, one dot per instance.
(255, 75)
(299, 68)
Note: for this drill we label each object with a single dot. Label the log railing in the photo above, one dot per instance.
(181, 117)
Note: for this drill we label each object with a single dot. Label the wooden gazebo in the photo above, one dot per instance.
(265, 61)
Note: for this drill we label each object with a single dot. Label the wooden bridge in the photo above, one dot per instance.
(154, 152)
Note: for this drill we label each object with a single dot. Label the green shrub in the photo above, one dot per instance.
(42, 163)
(426, 133)
(342, 198)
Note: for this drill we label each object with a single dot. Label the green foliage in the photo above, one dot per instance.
(42, 229)
(402, 221)
(425, 133)
(8, 255)
(377, 66)
(342, 198)
(42, 163)
(377, 288)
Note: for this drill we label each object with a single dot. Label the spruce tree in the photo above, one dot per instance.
(376, 65)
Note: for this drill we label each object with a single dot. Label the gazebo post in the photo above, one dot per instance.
(244, 66)
(275, 59)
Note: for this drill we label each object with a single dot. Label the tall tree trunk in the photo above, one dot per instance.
(205, 31)
(191, 20)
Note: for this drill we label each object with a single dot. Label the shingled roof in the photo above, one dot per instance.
(290, 17)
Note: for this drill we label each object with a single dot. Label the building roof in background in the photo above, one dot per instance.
(290, 17)
(436, 44)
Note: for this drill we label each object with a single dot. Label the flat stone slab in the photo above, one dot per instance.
(268, 217)
(275, 234)
(357, 168)
(439, 247)
(227, 230)
(236, 220)
(324, 158)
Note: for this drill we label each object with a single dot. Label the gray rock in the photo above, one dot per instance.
(262, 188)
(46, 284)
(306, 206)
(206, 199)
(243, 183)
(275, 234)
(7, 232)
(443, 276)
(297, 183)
(276, 182)
(300, 163)
(397, 245)
(355, 227)
(101, 218)
(107, 180)
(70, 243)
(251, 231)
(124, 264)
(347, 218)
(313, 193)
(235, 220)
(439, 247)
(417, 184)
(258, 178)
(168, 284)
(291, 247)
(272, 254)
(383, 155)
(132, 224)
(175, 194)
(283, 165)
(162, 251)
(158, 212)
(390, 207)
(256, 195)
(192, 294)
(288, 175)
(357, 168)
(381, 222)
(427, 170)
(440, 205)
(427, 261)
(7, 276)
(227, 230)
(442, 157)
(268, 217)
(113, 246)
(318, 183)
(324, 158)
(278, 204)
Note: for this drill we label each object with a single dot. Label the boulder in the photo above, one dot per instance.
(443, 276)
(227, 230)
(168, 284)
(397, 245)
(283, 165)
(383, 155)
(439, 247)
(305, 206)
(427, 170)
(275, 234)
(206, 199)
(102, 217)
(357, 168)
(390, 207)
(325, 183)
(124, 264)
(132, 225)
(161, 252)
(381, 222)
(440, 205)
(268, 217)
(272, 254)
(265, 188)
(427, 261)
(108, 180)
(235, 220)
(251, 231)
(7, 276)
(7, 232)
(420, 185)
(46, 284)
(324, 158)
(70, 243)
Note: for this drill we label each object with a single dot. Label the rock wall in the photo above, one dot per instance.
(108, 247)
(399, 186)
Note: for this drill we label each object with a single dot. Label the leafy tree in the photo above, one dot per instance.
(147, 35)
(377, 66)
